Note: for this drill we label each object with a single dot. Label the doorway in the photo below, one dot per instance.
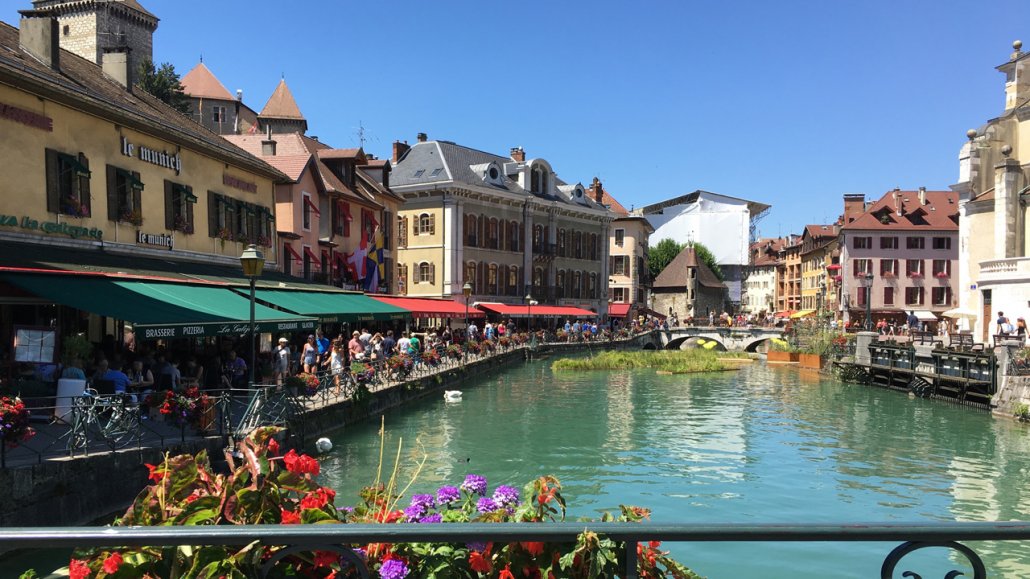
(985, 316)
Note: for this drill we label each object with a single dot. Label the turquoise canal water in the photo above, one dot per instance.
(766, 444)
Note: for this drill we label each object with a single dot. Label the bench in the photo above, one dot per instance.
(963, 342)
(926, 339)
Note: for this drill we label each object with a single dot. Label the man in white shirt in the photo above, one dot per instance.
(403, 344)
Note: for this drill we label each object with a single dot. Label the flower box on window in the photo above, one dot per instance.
(915, 275)
(889, 275)
(224, 234)
(132, 216)
(942, 275)
(181, 224)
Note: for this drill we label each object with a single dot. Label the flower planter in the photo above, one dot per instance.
(814, 361)
(777, 356)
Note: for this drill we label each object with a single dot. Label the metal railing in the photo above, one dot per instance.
(341, 539)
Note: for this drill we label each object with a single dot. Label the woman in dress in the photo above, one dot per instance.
(336, 364)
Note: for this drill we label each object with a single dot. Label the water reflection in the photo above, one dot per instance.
(763, 444)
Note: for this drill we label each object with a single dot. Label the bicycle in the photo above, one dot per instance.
(109, 418)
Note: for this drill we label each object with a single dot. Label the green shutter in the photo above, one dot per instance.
(213, 207)
(83, 179)
(112, 193)
(53, 186)
(169, 205)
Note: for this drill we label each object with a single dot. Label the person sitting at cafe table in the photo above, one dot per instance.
(117, 377)
(140, 379)
(74, 370)
(193, 374)
(235, 374)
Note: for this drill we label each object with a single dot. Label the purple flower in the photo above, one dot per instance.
(447, 494)
(474, 484)
(413, 513)
(433, 518)
(393, 569)
(476, 546)
(506, 496)
(486, 505)
(426, 502)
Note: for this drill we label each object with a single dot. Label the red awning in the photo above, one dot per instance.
(833, 266)
(543, 311)
(315, 259)
(430, 307)
(293, 253)
(784, 314)
(311, 204)
(618, 310)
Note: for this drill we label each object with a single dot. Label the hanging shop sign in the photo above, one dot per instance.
(51, 227)
(27, 118)
(237, 183)
(156, 239)
(153, 156)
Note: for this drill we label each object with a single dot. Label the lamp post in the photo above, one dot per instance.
(466, 290)
(529, 310)
(610, 302)
(867, 283)
(252, 261)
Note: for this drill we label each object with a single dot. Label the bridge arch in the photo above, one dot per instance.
(691, 341)
(757, 343)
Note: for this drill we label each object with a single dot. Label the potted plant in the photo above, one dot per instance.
(14, 421)
(781, 350)
(308, 384)
(191, 406)
(76, 347)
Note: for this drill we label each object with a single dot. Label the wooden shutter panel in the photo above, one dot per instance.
(432, 224)
(432, 273)
(189, 209)
(137, 202)
(169, 205)
(213, 206)
(112, 193)
(84, 197)
(53, 186)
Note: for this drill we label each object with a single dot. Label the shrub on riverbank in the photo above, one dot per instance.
(678, 361)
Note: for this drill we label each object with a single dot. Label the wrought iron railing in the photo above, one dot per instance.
(341, 539)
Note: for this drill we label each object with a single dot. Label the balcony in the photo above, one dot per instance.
(1005, 270)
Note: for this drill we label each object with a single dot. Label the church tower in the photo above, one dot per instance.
(90, 28)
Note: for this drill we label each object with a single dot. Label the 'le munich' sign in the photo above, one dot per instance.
(153, 156)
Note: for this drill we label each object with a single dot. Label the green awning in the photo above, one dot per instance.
(332, 306)
(159, 309)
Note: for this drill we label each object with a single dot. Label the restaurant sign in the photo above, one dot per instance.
(160, 332)
(158, 239)
(51, 227)
(153, 156)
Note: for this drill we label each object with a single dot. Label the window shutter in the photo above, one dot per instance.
(213, 206)
(84, 197)
(432, 273)
(112, 194)
(137, 201)
(53, 186)
(432, 224)
(855, 267)
(189, 209)
(169, 205)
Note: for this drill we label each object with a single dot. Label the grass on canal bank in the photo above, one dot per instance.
(674, 361)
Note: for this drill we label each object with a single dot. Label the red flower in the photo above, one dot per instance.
(478, 563)
(506, 573)
(533, 548)
(112, 563)
(273, 447)
(325, 558)
(289, 517)
(156, 472)
(78, 570)
(315, 500)
(301, 463)
(654, 544)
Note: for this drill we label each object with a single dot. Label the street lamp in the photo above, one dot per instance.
(531, 302)
(252, 261)
(466, 290)
(867, 283)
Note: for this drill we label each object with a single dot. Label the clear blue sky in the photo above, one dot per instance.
(791, 103)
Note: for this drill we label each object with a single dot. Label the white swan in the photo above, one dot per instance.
(452, 395)
(323, 445)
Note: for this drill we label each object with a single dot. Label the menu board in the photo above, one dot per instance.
(34, 345)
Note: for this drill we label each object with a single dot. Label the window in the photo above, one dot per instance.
(888, 296)
(577, 284)
(124, 197)
(513, 280)
(577, 245)
(470, 273)
(559, 283)
(491, 234)
(470, 231)
(306, 211)
(221, 213)
(913, 296)
(620, 265)
(888, 243)
(942, 243)
(561, 242)
(67, 183)
(915, 242)
(538, 235)
(863, 296)
(402, 231)
(402, 279)
(491, 279)
(914, 267)
(426, 272)
(436, 172)
(863, 243)
(217, 115)
(426, 224)
(620, 237)
(419, 173)
(516, 236)
(889, 267)
(179, 200)
(863, 266)
(941, 296)
(942, 268)
(307, 261)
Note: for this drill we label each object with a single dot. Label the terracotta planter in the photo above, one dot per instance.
(814, 361)
(777, 356)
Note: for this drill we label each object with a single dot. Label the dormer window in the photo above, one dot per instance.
(538, 180)
(494, 173)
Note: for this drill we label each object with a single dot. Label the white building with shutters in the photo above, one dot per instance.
(506, 225)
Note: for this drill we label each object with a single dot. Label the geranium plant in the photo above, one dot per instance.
(14, 421)
(186, 407)
(454, 351)
(309, 383)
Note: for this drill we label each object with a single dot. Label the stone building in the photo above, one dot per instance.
(994, 208)
(687, 288)
(213, 106)
(508, 226)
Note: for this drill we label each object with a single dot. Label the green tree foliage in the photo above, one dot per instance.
(705, 255)
(661, 255)
(164, 84)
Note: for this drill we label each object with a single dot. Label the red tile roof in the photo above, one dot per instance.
(201, 83)
(939, 214)
(285, 144)
(292, 165)
(340, 153)
(766, 251)
(612, 203)
(817, 231)
(677, 273)
(281, 104)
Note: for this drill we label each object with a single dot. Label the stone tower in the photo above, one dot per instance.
(91, 27)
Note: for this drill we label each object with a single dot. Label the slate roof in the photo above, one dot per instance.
(81, 84)
(939, 214)
(281, 105)
(443, 162)
(677, 273)
(201, 83)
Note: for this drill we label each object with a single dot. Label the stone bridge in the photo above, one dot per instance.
(736, 339)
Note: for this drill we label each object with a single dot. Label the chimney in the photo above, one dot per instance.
(239, 94)
(268, 144)
(399, 149)
(517, 154)
(115, 62)
(854, 206)
(922, 195)
(422, 137)
(597, 190)
(39, 36)
(897, 201)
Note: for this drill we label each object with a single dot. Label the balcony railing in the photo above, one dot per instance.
(340, 538)
(1005, 267)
